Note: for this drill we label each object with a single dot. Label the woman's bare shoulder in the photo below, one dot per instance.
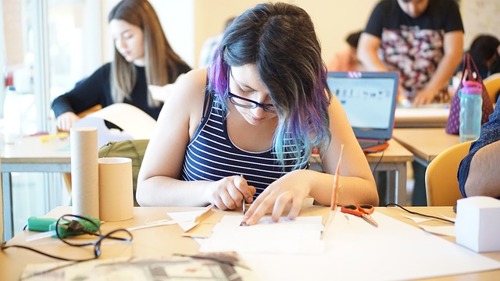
(187, 89)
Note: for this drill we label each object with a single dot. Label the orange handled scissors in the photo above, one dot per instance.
(364, 211)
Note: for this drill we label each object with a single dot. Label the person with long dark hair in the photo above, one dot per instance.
(243, 130)
(142, 56)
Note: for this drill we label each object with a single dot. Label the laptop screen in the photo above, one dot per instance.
(369, 99)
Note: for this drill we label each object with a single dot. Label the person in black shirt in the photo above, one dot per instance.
(420, 39)
(143, 56)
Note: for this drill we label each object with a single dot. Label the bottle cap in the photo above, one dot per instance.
(472, 87)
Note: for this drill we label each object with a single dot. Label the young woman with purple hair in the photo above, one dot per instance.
(243, 130)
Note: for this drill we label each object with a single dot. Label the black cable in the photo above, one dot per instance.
(378, 162)
(74, 227)
(420, 214)
(4, 246)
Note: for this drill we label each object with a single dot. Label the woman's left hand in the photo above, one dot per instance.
(290, 189)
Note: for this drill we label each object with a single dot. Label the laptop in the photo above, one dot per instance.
(369, 100)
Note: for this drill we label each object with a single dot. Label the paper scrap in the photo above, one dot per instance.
(189, 219)
(448, 230)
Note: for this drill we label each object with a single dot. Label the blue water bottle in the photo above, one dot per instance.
(471, 104)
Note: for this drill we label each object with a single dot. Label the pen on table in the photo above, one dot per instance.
(243, 223)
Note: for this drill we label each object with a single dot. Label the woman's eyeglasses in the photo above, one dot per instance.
(247, 103)
(250, 104)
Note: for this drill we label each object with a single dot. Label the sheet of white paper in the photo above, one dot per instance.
(299, 236)
(104, 134)
(395, 250)
(187, 220)
(185, 216)
(131, 119)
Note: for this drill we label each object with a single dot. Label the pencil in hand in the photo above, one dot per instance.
(243, 207)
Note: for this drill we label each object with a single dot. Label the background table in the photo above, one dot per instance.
(431, 116)
(425, 143)
(30, 154)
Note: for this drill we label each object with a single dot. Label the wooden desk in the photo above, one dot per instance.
(166, 240)
(425, 143)
(393, 161)
(151, 242)
(30, 154)
(421, 117)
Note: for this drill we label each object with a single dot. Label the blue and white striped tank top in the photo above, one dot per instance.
(211, 155)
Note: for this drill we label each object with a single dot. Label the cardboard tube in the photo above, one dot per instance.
(116, 199)
(84, 172)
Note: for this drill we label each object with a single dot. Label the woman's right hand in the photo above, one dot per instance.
(66, 120)
(228, 193)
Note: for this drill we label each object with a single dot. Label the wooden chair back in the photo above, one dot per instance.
(492, 85)
(441, 181)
